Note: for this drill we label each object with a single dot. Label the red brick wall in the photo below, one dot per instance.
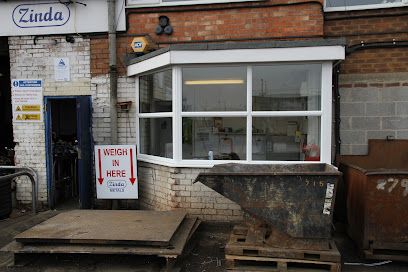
(383, 25)
(99, 55)
(211, 23)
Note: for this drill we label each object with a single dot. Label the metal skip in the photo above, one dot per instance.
(296, 199)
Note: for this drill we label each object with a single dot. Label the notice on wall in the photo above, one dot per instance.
(61, 69)
(116, 172)
(27, 100)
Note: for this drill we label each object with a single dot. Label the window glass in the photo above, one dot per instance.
(286, 138)
(156, 137)
(156, 92)
(218, 138)
(214, 89)
(346, 3)
(286, 87)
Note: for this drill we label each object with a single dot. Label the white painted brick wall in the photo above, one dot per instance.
(101, 110)
(167, 188)
(29, 60)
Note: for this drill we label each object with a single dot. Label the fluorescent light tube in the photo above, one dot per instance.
(214, 81)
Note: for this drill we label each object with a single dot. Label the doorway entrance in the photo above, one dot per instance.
(6, 135)
(69, 151)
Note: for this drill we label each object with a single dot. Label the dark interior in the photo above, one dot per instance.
(65, 154)
(6, 125)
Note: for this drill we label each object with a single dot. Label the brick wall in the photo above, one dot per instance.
(248, 21)
(29, 60)
(381, 25)
(101, 110)
(167, 188)
(373, 82)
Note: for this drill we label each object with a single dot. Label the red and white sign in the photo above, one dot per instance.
(116, 172)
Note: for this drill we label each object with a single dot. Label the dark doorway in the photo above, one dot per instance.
(68, 151)
(6, 123)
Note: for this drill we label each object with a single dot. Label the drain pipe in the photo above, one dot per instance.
(24, 171)
(113, 80)
(336, 100)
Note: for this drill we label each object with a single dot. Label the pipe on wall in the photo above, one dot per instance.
(113, 74)
(336, 72)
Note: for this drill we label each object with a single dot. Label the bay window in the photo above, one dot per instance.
(214, 112)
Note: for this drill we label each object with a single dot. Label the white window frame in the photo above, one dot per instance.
(364, 7)
(324, 55)
(160, 3)
(152, 115)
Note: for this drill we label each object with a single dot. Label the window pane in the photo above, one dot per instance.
(286, 138)
(222, 138)
(289, 87)
(214, 89)
(156, 137)
(155, 92)
(346, 3)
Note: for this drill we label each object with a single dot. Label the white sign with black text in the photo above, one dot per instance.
(116, 172)
(42, 17)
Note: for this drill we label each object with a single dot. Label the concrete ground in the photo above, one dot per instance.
(204, 253)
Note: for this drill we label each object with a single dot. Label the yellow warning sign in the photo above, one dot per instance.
(18, 117)
(31, 117)
(18, 108)
(31, 107)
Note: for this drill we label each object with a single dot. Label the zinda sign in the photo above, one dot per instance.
(40, 15)
(44, 17)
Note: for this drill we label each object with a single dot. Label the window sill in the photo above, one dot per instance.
(207, 164)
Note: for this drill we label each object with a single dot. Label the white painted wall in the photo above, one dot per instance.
(29, 60)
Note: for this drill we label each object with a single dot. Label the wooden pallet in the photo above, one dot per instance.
(387, 251)
(322, 250)
(251, 263)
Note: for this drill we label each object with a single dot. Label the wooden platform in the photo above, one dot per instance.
(96, 232)
(250, 263)
(244, 252)
(106, 227)
(387, 251)
(316, 249)
(177, 243)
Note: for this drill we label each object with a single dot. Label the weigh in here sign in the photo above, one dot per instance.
(116, 176)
